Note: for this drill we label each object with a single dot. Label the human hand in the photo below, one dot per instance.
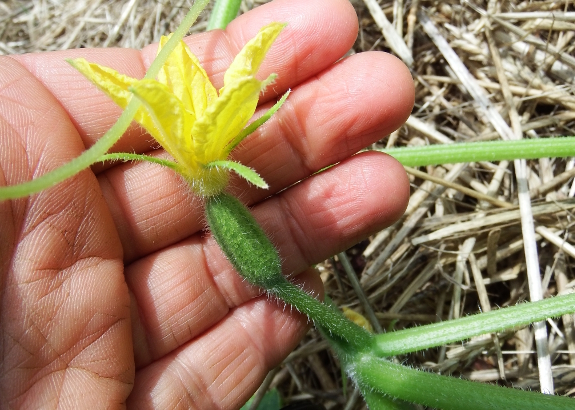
(112, 295)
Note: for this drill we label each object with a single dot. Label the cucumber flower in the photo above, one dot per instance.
(195, 123)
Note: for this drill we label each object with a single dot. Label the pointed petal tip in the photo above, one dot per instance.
(250, 57)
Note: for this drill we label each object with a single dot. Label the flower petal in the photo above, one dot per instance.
(248, 61)
(183, 74)
(170, 124)
(113, 84)
(257, 123)
(357, 318)
(225, 119)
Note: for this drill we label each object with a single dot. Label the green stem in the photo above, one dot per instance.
(483, 151)
(223, 12)
(349, 336)
(376, 400)
(437, 334)
(447, 393)
(76, 165)
(94, 153)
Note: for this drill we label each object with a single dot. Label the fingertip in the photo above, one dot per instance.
(404, 87)
(301, 15)
(390, 185)
(335, 209)
(381, 189)
(391, 93)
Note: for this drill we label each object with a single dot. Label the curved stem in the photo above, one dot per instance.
(69, 169)
(447, 393)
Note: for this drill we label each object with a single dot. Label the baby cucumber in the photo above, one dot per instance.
(243, 241)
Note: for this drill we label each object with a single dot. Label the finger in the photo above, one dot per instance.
(187, 288)
(225, 365)
(298, 52)
(325, 120)
(344, 109)
(335, 209)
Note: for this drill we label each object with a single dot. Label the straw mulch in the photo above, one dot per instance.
(459, 248)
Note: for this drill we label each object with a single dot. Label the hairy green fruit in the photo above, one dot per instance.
(243, 241)
(256, 259)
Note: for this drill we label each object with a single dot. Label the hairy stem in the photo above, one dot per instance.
(347, 333)
(447, 393)
(437, 334)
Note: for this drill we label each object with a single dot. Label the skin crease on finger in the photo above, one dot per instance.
(185, 298)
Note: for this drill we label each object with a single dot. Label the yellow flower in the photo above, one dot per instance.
(182, 110)
(357, 318)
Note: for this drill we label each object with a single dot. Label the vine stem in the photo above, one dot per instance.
(437, 334)
(446, 393)
(483, 151)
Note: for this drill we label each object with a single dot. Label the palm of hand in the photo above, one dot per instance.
(108, 286)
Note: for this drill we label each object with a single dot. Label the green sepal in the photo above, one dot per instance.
(125, 156)
(245, 172)
(257, 123)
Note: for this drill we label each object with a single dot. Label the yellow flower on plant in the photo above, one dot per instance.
(197, 124)
(357, 318)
